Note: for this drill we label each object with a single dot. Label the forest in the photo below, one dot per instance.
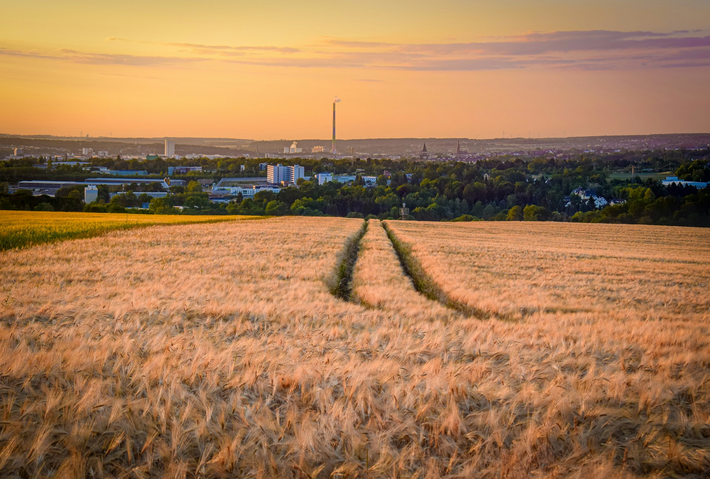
(501, 188)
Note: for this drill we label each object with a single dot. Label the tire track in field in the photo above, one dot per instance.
(379, 281)
(426, 285)
(341, 282)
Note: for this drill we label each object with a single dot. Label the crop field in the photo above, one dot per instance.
(495, 350)
(25, 228)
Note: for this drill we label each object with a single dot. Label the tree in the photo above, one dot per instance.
(515, 214)
(193, 187)
(535, 213)
(276, 208)
(44, 207)
(197, 202)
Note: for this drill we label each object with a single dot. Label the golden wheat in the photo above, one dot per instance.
(217, 350)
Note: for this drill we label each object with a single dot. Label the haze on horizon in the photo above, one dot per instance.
(267, 70)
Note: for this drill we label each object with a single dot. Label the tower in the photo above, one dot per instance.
(337, 100)
(169, 148)
(424, 155)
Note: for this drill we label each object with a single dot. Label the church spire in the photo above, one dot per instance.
(424, 155)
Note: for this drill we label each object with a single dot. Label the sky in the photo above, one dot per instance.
(270, 69)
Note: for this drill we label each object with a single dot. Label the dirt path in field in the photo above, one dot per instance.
(380, 281)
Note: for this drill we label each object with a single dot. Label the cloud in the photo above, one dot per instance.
(204, 48)
(564, 49)
(582, 50)
(74, 56)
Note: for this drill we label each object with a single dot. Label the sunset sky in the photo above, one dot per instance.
(270, 69)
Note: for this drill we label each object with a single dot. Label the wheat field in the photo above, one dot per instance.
(26, 228)
(217, 350)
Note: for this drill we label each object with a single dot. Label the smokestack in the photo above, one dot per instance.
(337, 100)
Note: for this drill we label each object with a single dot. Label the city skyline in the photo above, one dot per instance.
(457, 69)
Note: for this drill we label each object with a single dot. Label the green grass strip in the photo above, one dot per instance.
(342, 282)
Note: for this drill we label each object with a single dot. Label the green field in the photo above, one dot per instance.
(26, 228)
(644, 176)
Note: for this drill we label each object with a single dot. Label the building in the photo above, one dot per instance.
(46, 187)
(344, 178)
(674, 180)
(103, 154)
(247, 191)
(125, 172)
(293, 149)
(183, 170)
(87, 152)
(323, 178)
(169, 148)
(424, 155)
(318, 149)
(91, 194)
(295, 172)
(276, 174)
(585, 195)
(18, 153)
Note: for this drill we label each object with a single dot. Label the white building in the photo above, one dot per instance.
(318, 149)
(87, 151)
(103, 154)
(344, 178)
(295, 172)
(18, 153)
(275, 174)
(585, 195)
(91, 194)
(169, 148)
(323, 178)
(246, 191)
(294, 148)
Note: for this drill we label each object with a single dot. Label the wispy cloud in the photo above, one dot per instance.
(597, 49)
(583, 50)
(204, 48)
(75, 56)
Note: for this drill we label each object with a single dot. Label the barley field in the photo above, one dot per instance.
(25, 228)
(218, 350)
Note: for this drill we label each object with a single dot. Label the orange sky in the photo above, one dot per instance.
(270, 69)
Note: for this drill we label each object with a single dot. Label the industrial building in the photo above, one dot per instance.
(50, 187)
(183, 170)
(245, 191)
(674, 180)
(293, 149)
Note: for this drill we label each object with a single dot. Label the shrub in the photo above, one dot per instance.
(44, 207)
